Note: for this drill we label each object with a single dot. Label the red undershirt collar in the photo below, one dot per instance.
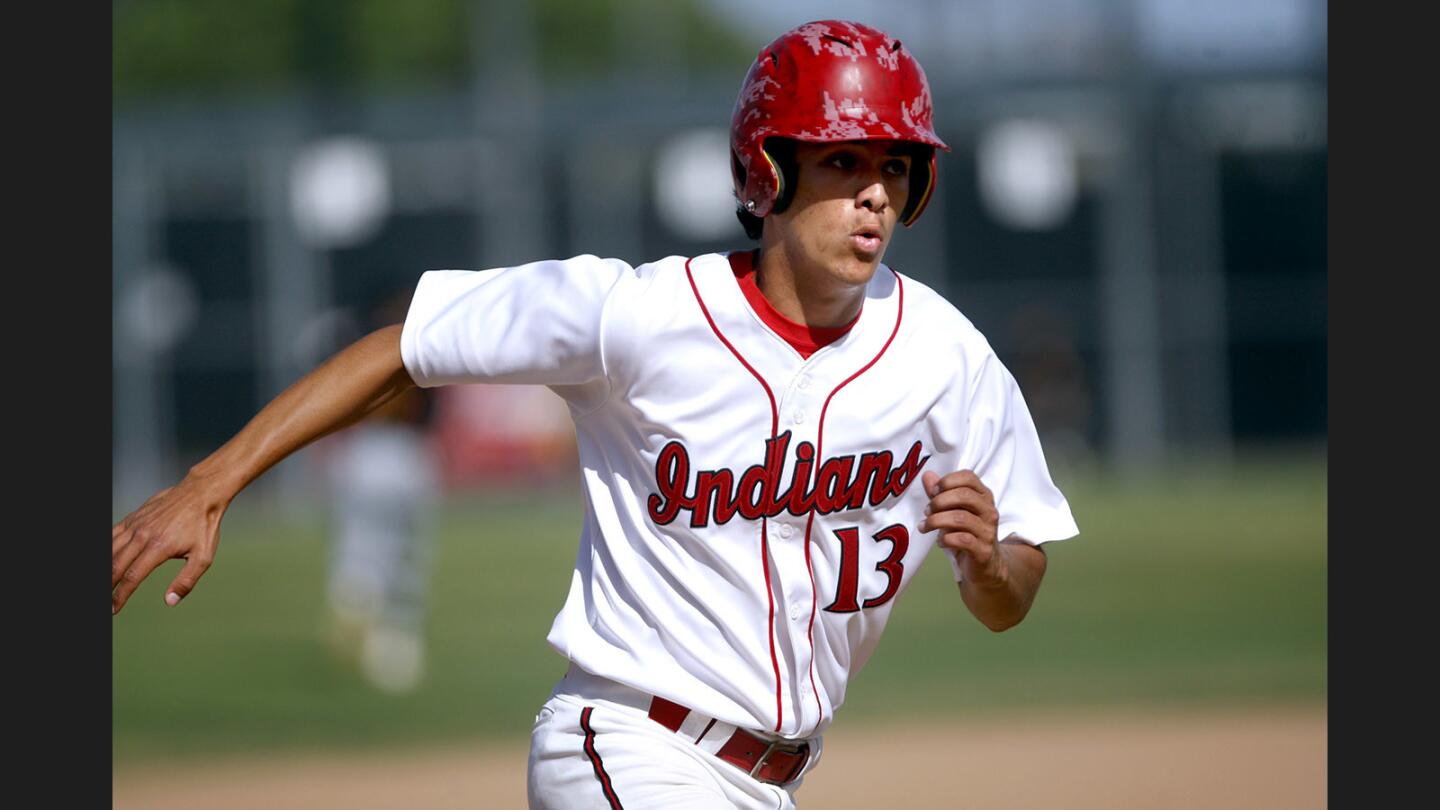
(805, 339)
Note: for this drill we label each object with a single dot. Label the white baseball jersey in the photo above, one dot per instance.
(751, 514)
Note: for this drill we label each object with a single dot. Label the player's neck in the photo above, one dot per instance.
(804, 292)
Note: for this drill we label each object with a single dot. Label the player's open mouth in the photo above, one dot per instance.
(867, 240)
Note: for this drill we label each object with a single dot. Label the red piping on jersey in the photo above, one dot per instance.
(819, 445)
(764, 527)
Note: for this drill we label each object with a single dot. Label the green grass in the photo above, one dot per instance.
(1193, 587)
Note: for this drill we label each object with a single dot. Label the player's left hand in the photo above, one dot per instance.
(963, 509)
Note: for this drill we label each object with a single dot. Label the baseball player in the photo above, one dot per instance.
(384, 478)
(771, 442)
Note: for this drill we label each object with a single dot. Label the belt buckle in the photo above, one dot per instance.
(785, 747)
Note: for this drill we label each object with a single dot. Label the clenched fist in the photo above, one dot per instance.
(963, 509)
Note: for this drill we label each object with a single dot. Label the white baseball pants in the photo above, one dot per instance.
(595, 746)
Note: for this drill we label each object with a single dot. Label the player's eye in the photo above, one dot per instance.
(897, 167)
(841, 160)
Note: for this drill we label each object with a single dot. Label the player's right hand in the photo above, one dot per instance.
(180, 522)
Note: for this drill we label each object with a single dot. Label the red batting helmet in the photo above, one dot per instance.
(830, 81)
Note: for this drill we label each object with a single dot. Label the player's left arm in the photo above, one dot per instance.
(1001, 576)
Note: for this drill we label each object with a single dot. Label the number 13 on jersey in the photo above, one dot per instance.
(892, 566)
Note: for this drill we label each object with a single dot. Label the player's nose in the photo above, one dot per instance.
(872, 195)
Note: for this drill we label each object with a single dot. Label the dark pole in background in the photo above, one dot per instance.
(507, 111)
(1129, 291)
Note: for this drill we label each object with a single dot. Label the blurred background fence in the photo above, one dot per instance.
(1134, 210)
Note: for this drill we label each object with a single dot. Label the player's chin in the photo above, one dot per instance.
(860, 265)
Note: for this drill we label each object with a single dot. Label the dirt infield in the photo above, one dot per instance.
(1172, 761)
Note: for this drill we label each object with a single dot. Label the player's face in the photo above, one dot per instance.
(848, 198)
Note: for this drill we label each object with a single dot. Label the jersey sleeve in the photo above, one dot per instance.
(539, 323)
(1003, 448)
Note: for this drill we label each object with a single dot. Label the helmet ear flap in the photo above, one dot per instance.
(780, 152)
(922, 184)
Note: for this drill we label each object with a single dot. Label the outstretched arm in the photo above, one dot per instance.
(183, 521)
(1001, 577)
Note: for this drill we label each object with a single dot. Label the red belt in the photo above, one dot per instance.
(775, 762)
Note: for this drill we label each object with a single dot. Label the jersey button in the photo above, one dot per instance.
(795, 612)
(786, 530)
(804, 383)
(799, 417)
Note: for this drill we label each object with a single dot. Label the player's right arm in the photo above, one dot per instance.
(183, 521)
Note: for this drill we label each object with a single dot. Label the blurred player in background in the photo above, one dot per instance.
(384, 477)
